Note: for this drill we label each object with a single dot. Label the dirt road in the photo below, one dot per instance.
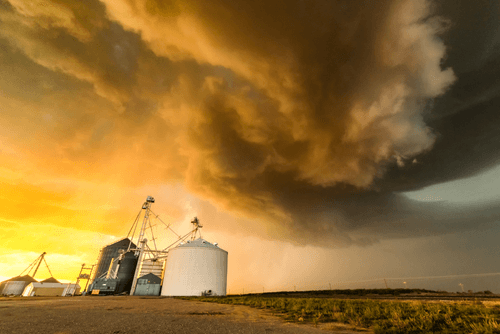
(144, 315)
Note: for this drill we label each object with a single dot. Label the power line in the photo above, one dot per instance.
(448, 276)
(420, 277)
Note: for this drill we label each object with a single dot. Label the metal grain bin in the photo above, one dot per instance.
(124, 277)
(126, 272)
(195, 268)
(107, 255)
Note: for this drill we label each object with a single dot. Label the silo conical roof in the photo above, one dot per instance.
(122, 242)
(198, 243)
(25, 278)
(50, 280)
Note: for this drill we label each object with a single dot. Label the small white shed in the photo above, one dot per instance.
(51, 289)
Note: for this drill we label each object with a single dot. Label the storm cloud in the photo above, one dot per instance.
(308, 117)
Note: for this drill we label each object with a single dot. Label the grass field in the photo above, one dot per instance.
(379, 316)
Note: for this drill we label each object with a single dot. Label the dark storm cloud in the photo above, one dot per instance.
(334, 62)
(466, 119)
(306, 115)
(467, 144)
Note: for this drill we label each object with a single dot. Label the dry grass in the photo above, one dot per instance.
(379, 316)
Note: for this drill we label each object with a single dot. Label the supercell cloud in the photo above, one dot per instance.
(300, 115)
(330, 91)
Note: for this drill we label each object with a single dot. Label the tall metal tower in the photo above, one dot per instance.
(142, 241)
(36, 264)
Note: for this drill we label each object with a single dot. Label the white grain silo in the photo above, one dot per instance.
(195, 268)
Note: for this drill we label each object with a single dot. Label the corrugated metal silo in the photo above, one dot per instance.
(109, 253)
(126, 272)
(122, 282)
(195, 268)
(108, 261)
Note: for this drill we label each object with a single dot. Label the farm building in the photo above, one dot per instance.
(148, 285)
(16, 285)
(50, 289)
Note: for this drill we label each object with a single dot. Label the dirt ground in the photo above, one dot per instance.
(128, 315)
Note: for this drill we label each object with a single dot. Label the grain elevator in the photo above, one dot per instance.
(136, 265)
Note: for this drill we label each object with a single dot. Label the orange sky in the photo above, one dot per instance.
(291, 132)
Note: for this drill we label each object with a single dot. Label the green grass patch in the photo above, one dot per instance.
(379, 316)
